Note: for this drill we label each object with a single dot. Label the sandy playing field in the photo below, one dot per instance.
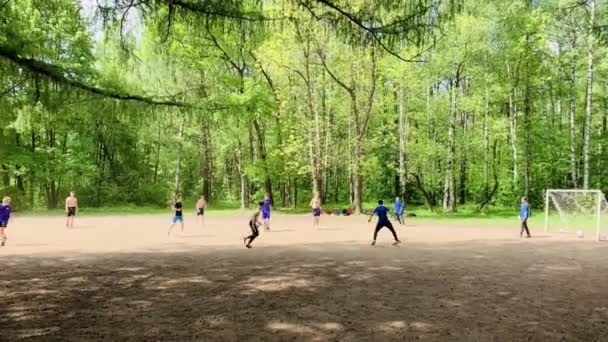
(122, 278)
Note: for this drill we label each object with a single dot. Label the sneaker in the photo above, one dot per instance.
(373, 243)
(396, 243)
(529, 236)
(2, 244)
(248, 245)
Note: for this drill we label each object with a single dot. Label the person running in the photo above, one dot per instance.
(201, 205)
(267, 206)
(524, 215)
(71, 206)
(383, 221)
(177, 213)
(399, 211)
(315, 204)
(5, 215)
(254, 223)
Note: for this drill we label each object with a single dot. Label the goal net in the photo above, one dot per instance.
(577, 210)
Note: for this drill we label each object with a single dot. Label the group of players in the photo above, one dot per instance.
(264, 209)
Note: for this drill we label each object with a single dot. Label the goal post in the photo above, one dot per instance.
(568, 210)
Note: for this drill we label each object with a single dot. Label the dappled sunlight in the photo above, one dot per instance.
(190, 280)
(283, 282)
(339, 294)
(35, 332)
(309, 331)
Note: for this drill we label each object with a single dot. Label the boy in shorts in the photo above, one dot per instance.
(253, 225)
(315, 204)
(5, 215)
(201, 205)
(71, 206)
(267, 206)
(177, 213)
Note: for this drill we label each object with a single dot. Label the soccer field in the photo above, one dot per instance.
(122, 278)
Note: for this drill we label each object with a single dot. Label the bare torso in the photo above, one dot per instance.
(71, 202)
(315, 203)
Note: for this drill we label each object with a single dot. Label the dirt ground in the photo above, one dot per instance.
(123, 279)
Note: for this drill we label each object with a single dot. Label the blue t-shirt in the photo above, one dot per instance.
(524, 211)
(382, 213)
(398, 207)
(267, 204)
(5, 212)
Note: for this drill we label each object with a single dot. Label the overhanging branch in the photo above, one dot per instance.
(59, 75)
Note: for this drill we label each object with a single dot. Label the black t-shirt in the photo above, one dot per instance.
(178, 208)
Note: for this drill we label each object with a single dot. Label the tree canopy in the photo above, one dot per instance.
(444, 103)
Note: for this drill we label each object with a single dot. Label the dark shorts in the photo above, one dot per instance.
(3, 223)
(316, 212)
(265, 215)
(200, 211)
(71, 211)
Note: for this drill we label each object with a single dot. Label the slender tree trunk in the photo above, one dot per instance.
(156, 163)
(402, 141)
(572, 112)
(357, 178)
(513, 134)
(589, 97)
(240, 169)
(448, 197)
(527, 128)
(464, 121)
(486, 141)
(207, 160)
(178, 163)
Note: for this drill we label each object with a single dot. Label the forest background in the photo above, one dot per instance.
(453, 105)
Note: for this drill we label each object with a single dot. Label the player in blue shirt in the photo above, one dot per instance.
(524, 215)
(5, 215)
(383, 221)
(266, 211)
(399, 210)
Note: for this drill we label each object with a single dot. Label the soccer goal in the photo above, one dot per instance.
(577, 210)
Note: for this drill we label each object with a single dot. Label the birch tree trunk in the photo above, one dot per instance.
(589, 97)
(486, 141)
(513, 133)
(448, 191)
(527, 128)
(402, 142)
(178, 164)
(573, 169)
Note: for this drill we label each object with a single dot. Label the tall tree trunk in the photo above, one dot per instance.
(207, 154)
(357, 178)
(527, 128)
(589, 97)
(513, 134)
(486, 141)
(156, 163)
(178, 163)
(464, 118)
(262, 153)
(402, 141)
(448, 191)
(244, 194)
(572, 119)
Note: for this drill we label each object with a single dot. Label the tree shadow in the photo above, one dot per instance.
(317, 292)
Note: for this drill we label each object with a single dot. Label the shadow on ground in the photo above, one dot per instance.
(326, 292)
